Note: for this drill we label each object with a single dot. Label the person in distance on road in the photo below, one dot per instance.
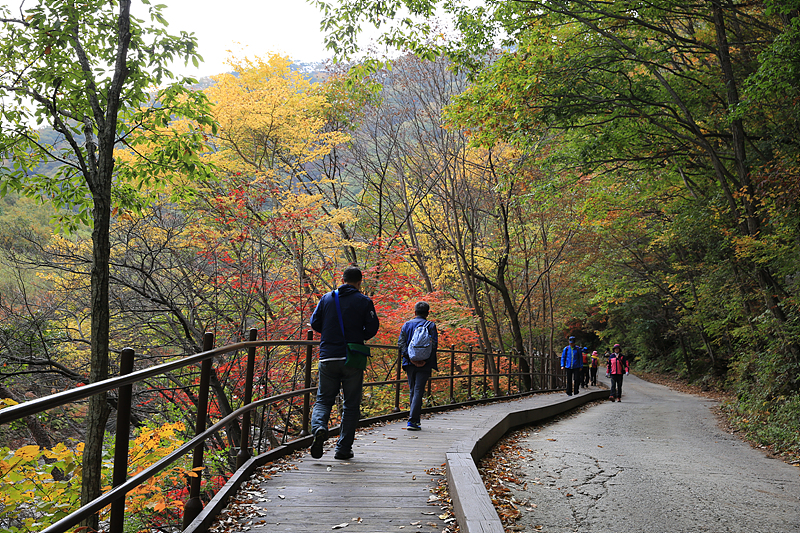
(585, 370)
(617, 367)
(593, 366)
(572, 362)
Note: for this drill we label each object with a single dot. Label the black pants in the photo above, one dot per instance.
(585, 374)
(573, 380)
(593, 372)
(616, 385)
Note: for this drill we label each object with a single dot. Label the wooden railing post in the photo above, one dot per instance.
(244, 454)
(452, 370)
(430, 389)
(193, 505)
(510, 376)
(307, 384)
(498, 370)
(486, 357)
(398, 384)
(469, 376)
(121, 444)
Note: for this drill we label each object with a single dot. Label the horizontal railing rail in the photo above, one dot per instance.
(546, 376)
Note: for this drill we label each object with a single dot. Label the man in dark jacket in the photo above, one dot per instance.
(360, 323)
(418, 372)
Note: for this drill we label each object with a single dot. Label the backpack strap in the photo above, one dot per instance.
(339, 312)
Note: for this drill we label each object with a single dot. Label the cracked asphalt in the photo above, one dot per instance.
(655, 462)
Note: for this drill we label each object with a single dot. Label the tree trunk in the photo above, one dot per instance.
(97, 416)
(99, 179)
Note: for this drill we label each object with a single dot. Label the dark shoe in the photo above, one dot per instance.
(413, 426)
(320, 436)
(569, 394)
(611, 398)
(619, 399)
(343, 455)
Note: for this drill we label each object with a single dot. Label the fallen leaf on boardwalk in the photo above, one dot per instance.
(599, 446)
(340, 526)
(357, 519)
(415, 523)
(281, 496)
(413, 477)
(392, 438)
(553, 440)
(569, 495)
(428, 512)
(329, 468)
(310, 490)
(444, 516)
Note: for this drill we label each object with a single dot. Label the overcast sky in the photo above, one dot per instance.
(288, 27)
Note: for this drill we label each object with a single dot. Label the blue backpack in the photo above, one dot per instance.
(421, 344)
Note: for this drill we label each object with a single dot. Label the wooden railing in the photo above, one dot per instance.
(479, 375)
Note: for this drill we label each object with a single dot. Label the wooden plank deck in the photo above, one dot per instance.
(386, 487)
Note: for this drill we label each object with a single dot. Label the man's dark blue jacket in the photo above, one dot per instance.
(359, 316)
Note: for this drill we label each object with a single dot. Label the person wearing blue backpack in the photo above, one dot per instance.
(417, 344)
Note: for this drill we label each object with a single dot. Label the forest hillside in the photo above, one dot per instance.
(625, 175)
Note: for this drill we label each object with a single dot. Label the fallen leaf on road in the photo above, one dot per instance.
(340, 526)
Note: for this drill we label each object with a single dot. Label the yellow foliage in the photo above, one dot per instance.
(7, 402)
(271, 121)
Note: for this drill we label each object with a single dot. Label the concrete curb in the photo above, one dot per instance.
(471, 503)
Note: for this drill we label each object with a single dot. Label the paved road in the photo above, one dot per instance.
(656, 462)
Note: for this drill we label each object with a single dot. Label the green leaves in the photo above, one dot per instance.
(52, 78)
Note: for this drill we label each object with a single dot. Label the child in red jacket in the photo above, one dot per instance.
(618, 366)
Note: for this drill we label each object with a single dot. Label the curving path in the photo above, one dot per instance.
(387, 486)
(655, 462)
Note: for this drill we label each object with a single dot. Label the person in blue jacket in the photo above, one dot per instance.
(572, 362)
(360, 323)
(418, 372)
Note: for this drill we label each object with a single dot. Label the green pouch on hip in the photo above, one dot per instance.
(357, 356)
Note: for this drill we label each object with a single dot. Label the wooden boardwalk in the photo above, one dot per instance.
(386, 487)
